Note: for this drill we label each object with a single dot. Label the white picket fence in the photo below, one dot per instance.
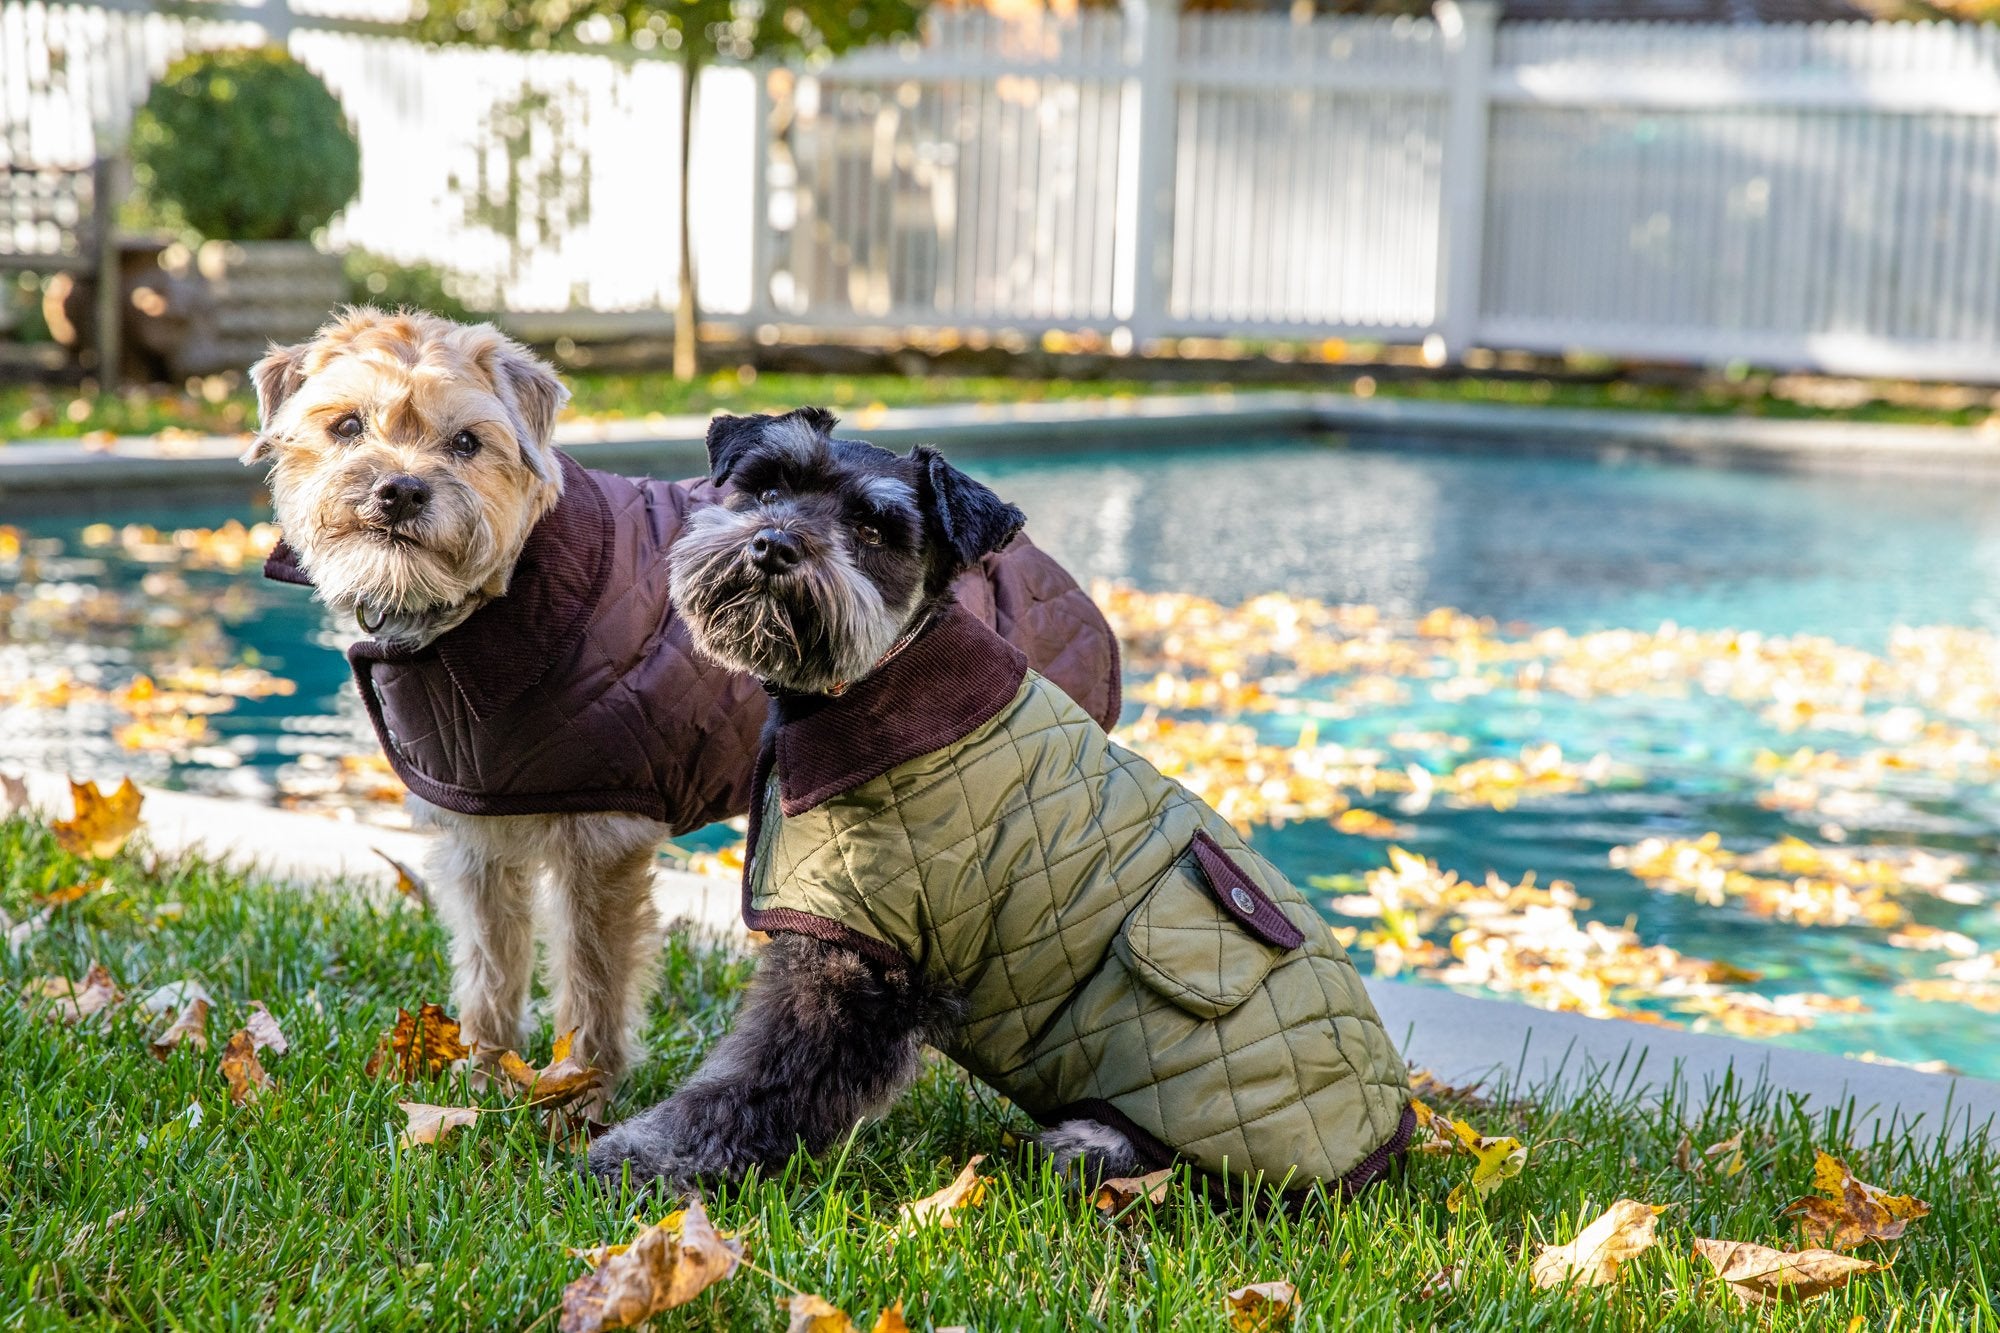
(1823, 196)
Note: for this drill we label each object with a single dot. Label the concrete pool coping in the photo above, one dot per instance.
(1461, 1039)
(674, 444)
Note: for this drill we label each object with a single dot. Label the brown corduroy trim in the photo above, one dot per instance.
(1226, 881)
(952, 679)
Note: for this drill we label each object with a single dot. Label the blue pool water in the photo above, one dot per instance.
(1531, 542)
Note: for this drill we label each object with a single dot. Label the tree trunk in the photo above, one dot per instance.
(687, 313)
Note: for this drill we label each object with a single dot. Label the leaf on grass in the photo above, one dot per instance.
(423, 1044)
(1436, 1141)
(669, 1264)
(815, 1314)
(247, 1079)
(1623, 1232)
(74, 1001)
(1847, 1212)
(429, 1124)
(1423, 1083)
(1761, 1275)
(264, 1030)
(71, 893)
(408, 882)
(13, 794)
(1441, 1283)
(101, 823)
(968, 1190)
(562, 1080)
(1120, 1193)
(20, 932)
(189, 1028)
(1262, 1307)
(1495, 1160)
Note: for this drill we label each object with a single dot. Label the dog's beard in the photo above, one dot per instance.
(421, 571)
(820, 625)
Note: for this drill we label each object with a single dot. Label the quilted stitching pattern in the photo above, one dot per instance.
(1015, 863)
(631, 719)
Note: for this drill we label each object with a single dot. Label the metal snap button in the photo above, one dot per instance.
(1244, 902)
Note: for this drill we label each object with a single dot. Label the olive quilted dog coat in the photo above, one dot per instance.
(1125, 957)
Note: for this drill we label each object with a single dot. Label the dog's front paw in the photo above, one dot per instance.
(681, 1142)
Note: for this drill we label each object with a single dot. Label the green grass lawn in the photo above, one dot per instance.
(225, 406)
(302, 1212)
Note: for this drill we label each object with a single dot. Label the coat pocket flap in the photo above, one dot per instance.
(1189, 941)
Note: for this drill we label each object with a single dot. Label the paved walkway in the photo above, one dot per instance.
(1462, 1039)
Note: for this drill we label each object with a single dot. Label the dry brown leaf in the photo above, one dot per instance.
(64, 896)
(1441, 1283)
(1263, 1307)
(968, 1190)
(189, 1028)
(264, 1030)
(424, 1044)
(101, 823)
(564, 1079)
(247, 1079)
(1847, 1212)
(1423, 1083)
(669, 1264)
(891, 1320)
(1761, 1275)
(1115, 1196)
(74, 1001)
(815, 1314)
(408, 882)
(429, 1124)
(13, 794)
(1623, 1232)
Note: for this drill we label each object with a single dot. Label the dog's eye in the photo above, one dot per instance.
(870, 536)
(348, 427)
(768, 496)
(465, 444)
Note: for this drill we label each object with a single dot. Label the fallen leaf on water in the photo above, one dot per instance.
(1847, 1212)
(189, 1028)
(247, 1079)
(1761, 1275)
(967, 1191)
(1368, 824)
(101, 823)
(264, 1031)
(1262, 1307)
(429, 1124)
(422, 1044)
(1495, 1160)
(1120, 1193)
(408, 882)
(74, 1001)
(1624, 1231)
(667, 1265)
(563, 1079)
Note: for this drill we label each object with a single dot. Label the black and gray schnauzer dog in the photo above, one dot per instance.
(946, 850)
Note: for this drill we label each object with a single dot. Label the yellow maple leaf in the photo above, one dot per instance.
(1494, 1160)
(422, 1044)
(1262, 1307)
(1623, 1232)
(1760, 1275)
(967, 1190)
(1848, 1212)
(667, 1265)
(101, 824)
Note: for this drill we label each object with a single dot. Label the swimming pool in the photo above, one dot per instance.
(1280, 601)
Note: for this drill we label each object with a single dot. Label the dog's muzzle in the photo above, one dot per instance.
(774, 551)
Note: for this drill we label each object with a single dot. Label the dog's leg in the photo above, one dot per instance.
(484, 889)
(604, 933)
(825, 1037)
(1087, 1152)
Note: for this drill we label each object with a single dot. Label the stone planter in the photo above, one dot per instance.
(219, 307)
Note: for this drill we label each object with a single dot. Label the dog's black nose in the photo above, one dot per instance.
(401, 498)
(774, 550)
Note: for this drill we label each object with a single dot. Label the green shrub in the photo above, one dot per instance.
(383, 282)
(245, 145)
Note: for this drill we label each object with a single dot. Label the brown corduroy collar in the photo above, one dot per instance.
(951, 679)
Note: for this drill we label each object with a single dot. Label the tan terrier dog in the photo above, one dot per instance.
(527, 674)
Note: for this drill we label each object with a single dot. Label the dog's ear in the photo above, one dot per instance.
(276, 377)
(967, 520)
(729, 438)
(537, 395)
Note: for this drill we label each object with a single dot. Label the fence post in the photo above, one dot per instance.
(1468, 28)
(107, 191)
(1152, 39)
